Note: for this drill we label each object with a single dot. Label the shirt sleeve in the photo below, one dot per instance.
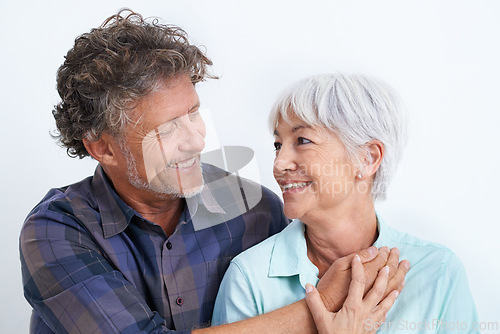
(235, 299)
(72, 287)
(458, 309)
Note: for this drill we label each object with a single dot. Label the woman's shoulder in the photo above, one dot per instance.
(422, 253)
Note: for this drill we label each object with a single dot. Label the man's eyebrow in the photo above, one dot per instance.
(196, 106)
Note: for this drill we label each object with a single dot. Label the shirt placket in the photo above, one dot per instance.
(179, 280)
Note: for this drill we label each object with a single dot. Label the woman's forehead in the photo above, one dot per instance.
(295, 124)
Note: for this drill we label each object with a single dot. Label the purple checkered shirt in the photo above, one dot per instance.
(92, 264)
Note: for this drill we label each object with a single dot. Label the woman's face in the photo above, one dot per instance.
(312, 170)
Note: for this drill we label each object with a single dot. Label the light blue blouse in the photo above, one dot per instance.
(273, 274)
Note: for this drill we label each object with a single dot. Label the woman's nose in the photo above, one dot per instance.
(284, 161)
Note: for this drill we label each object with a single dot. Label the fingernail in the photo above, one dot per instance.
(406, 264)
(372, 250)
(403, 283)
(386, 269)
(357, 258)
(309, 288)
(396, 294)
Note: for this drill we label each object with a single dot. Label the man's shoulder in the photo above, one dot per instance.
(259, 256)
(63, 202)
(256, 259)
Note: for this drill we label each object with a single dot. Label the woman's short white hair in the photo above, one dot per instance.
(355, 107)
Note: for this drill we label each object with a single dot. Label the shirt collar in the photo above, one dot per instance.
(289, 255)
(385, 234)
(116, 214)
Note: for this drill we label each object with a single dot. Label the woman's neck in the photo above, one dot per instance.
(338, 233)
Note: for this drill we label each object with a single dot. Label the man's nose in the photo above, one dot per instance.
(193, 135)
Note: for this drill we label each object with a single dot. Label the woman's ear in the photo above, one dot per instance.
(374, 153)
(103, 149)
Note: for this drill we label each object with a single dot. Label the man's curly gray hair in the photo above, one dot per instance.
(110, 68)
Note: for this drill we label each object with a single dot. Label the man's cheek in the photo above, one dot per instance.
(154, 162)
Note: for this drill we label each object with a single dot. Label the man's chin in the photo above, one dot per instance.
(191, 192)
(166, 191)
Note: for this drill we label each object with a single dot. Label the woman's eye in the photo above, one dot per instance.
(302, 141)
(277, 146)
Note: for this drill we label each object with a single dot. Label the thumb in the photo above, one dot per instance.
(366, 255)
(317, 308)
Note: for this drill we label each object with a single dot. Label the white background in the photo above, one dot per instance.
(441, 56)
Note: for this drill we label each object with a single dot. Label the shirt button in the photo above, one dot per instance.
(169, 245)
(179, 301)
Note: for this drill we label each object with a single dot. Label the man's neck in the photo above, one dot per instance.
(160, 209)
(165, 213)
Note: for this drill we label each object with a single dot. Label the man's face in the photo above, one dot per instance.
(163, 148)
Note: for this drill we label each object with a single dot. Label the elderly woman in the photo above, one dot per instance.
(338, 140)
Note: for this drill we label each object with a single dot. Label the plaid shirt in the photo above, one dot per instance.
(92, 264)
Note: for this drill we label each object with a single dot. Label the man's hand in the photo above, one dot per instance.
(357, 312)
(334, 285)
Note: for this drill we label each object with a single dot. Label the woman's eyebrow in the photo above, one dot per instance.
(301, 126)
(295, 128)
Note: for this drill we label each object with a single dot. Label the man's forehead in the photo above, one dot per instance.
(148, 119)
(152, 114)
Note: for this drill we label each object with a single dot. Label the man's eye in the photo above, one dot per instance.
(277, 146)
(302, 141)
(194, 114)
(166, 131)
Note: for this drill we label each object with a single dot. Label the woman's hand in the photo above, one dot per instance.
(358, 314)
(334, 285)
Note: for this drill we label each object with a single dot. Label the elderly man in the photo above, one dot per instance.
(143, 244)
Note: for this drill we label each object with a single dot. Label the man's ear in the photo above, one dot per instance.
(374, 153)
(103, 149)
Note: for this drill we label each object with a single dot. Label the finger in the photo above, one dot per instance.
(357, 286)
(366, 255)
(380, 260)
(381, 310)
(372, 268)
(377, 292)
(317, 308)
(393, 261)
(397, 281)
